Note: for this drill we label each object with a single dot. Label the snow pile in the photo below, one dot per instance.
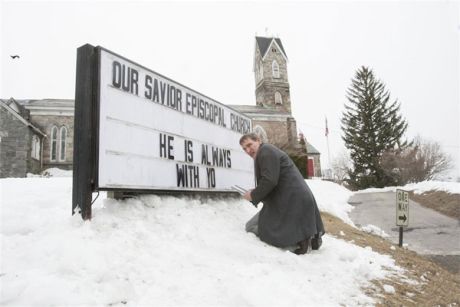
(166, 251)
(421, 187)
(389, 289)
(56, 172)
(52, 172)
(332, 198)
(426, 186)
(374, 230)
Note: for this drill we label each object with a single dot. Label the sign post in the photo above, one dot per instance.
(402, 212)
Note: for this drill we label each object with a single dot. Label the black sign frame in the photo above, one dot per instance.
(86, 137)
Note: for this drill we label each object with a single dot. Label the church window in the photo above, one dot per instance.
(278, 98)
(275, 69)
(261, 133)
(35, 152)
(62, 148)
(273, 50)
(54, 143)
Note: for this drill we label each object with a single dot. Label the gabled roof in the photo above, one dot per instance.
(43, 107)
(9, 106)
(311, 149)
(17, 107)
(265, 42)
(47, 102)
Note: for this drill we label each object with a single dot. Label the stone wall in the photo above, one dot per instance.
(33, 166)
(46, 123)
(280, 133)
(265, 95)
(14, 145)
(268, 60)
(268, 85)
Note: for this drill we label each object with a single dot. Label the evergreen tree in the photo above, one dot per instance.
(371, 125)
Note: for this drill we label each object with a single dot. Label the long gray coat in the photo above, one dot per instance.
(290, 213)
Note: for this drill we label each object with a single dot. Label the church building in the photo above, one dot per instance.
(35, 135)
(38, 134)
(271, 116)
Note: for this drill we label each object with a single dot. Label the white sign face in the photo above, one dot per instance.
(156, 134)
(402, 208)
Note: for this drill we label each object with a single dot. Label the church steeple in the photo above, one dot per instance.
(270, 71)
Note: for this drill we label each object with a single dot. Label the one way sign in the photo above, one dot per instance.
(402, 208)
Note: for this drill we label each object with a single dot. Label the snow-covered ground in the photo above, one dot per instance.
(167, 251)
(421, 187)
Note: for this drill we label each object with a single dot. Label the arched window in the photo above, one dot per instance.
(35, 152)
(261, 133)
(278, 98)
(54, 143)
(62, 147)
(275, 69)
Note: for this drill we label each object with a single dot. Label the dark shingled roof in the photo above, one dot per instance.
(264, 43)
(311, 149)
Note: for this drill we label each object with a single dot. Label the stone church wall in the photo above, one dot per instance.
(266, 94)
(280, 133)
(45, 123)
(14, 145)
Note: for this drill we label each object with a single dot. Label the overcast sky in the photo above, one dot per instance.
(413, 47)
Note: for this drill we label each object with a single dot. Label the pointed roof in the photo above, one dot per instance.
(11, 106)
(265, 42)
(311, 149)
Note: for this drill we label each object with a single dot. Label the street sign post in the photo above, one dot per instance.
(402, 212)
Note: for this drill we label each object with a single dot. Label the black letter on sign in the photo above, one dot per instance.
(229, 159)
(188, 145)
(148, 87)
(204, 155)
(163, 146)
(116, 74)
(181, 175)
(134, 79)
(170, 147)
(211, 177)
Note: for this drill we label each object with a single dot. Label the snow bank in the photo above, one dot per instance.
(332, 198)
(426, 186)
(52, 172)
(421, 187)
(165, 251)
(374, 230)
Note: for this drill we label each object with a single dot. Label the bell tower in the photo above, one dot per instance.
(271, 78)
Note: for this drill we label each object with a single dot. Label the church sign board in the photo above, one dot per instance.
(136, 130)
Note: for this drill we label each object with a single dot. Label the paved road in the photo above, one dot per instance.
(429, 232)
